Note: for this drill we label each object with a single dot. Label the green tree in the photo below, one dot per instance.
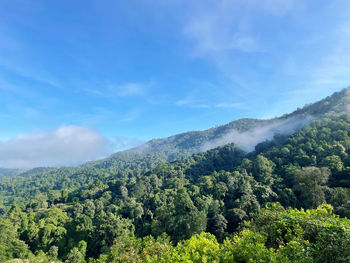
(77, 254)
(10, 244)
(179, 217)
(309, 184)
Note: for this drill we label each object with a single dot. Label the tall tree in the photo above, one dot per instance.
(309, 184)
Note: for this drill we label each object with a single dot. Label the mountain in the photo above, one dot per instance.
(246, 133)
(131, 206)
(7, 173)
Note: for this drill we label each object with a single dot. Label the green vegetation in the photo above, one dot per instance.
(223, 205)
(275, 235)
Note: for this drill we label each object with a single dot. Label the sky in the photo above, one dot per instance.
(82, 79)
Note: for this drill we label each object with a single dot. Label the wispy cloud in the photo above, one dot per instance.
(209, 99)
(231, 36)
(247, 140)
(132, 89)
(277, 7)
(334, 67)
(200, 104)
(17, 57)
(227, 26)
(237, 105)
(211, 37)
(192, 100)
(131, 115)
(120, 90)
(105, 116)
(121, 143)
(329, 72)
(6, 86)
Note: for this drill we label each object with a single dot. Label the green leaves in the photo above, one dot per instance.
(309, 182)
(179, 217)
(10, 244)
(114, 209)
(323, 236)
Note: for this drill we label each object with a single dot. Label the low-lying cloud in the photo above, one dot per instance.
(121, 143)
(67, 145)
(347, 100)
(249, 139)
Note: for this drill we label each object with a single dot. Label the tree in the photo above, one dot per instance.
(109, 226)
(216, 222)
(54, 196)
(77, 254)
(334, 163)
(315, 235)
(10, 244)
(309, 184)
(179, 217)
(263, 169)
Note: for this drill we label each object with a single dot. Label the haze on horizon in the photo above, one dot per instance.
(80, 80)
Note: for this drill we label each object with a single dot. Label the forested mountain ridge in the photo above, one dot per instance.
(146, 157)
(188, 143)
(7, 173)
(145, 216)
(142, 209)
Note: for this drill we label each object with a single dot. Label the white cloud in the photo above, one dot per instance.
(131, 115)
(334, 67)
(66, 145)
(224, 32)
(329, 73)
(121, 143)
(211, 33)
(195, 100)
(192, 101)
(278, 7)
(15, 56)
(246, 43)
(227, 26)
(131, 89)
(231, 35)
(247, 140)
(237, 105)
(120, 90)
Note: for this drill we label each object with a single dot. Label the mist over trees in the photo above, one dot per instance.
(286, 201)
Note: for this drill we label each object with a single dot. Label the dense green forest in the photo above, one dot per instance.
(286, 201)
(36, 182)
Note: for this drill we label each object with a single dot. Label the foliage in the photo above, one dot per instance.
(154, 206)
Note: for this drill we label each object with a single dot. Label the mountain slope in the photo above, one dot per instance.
(7, 173)
(212, 191)
(90, 211)
(246, 133)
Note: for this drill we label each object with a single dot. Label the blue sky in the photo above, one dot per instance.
(117, 72)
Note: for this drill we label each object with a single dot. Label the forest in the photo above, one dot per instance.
(286, 201)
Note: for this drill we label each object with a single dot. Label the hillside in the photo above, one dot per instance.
(212, 192)
(136, 201)
(175, 131)
(7, 173)
(252, 130)
(245, 133)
